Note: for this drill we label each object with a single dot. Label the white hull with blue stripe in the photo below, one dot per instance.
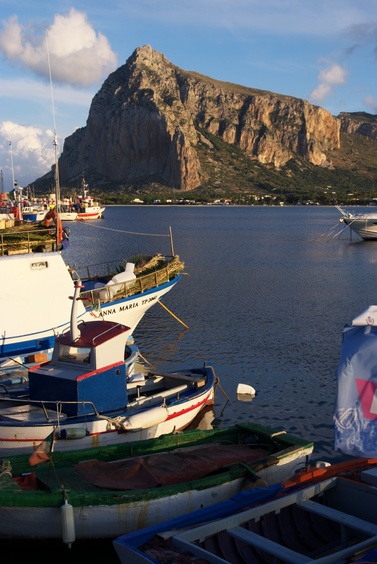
(35, 309)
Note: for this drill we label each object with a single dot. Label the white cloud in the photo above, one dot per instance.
(25, 145)
(328, 78)
(78, 55)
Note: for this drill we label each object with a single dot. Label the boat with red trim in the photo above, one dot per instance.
(89, 393)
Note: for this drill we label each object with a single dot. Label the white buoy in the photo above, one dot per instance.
(68, 523)
(322, 464)
(246, 389)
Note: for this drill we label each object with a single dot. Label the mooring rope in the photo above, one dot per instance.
(147, 361)
(89, 224)
(172, 314)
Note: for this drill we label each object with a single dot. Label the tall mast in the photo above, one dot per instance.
(55, 143)
(11, 163)
(15, 185)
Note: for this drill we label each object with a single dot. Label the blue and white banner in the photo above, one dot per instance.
(355, 415)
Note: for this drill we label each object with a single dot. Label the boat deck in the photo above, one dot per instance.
(331, 522)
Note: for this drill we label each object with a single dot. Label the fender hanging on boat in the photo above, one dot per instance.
(74, 433)
(146, 419)
(68, 523)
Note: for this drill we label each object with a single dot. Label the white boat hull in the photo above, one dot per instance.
(35, 308)
(112, 520)
(366, 228)
(94, 212)
(24, 438)
(68, 216)
(34, 215)
(363, 224)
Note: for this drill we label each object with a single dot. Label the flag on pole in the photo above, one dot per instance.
(355, 414)
(43, 451)
(96, 308)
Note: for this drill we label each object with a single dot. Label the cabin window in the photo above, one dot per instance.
(76, 355)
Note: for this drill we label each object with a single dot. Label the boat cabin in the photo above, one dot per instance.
(90, 368)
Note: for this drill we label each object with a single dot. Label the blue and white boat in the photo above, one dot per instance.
(36, 285)
(33, 213)
(325, 515)
(89, 392)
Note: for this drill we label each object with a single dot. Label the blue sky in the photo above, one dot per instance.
(324, 51)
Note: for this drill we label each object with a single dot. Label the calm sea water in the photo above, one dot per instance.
(265, 296)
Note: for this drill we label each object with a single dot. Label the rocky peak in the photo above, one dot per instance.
(143, 125)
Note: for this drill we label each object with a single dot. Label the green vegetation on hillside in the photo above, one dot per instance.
(228, 173)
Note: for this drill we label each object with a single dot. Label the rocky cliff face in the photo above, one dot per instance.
(143, 125)
(359, 122)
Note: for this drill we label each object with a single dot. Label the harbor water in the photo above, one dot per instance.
(265, 294)
(264, 297)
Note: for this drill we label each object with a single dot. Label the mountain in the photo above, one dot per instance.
(153, 126)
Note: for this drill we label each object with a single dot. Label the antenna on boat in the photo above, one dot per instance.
(11, 162)
(55, 143)
(14, 183)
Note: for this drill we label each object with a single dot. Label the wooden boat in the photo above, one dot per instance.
(326, 514)
(136, 484)
(89, 393)
(37, 280)
(363, 224)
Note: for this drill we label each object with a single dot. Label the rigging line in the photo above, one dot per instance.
(122, 231)
(147, 361)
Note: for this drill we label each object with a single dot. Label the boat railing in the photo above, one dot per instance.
(123, 290)
(21, 241)
(52, 410)
(111, 268)
(106, 333)
(162, 272)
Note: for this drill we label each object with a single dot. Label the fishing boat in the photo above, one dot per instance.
(122, 488)
(33, 212)
(87, 207)
(325, 514)
(37, 282)
(363, 224)
(89, 392)
(66, 210)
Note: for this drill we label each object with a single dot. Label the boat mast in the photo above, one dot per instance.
(11, 163)
(55, 143)
(16, 189)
